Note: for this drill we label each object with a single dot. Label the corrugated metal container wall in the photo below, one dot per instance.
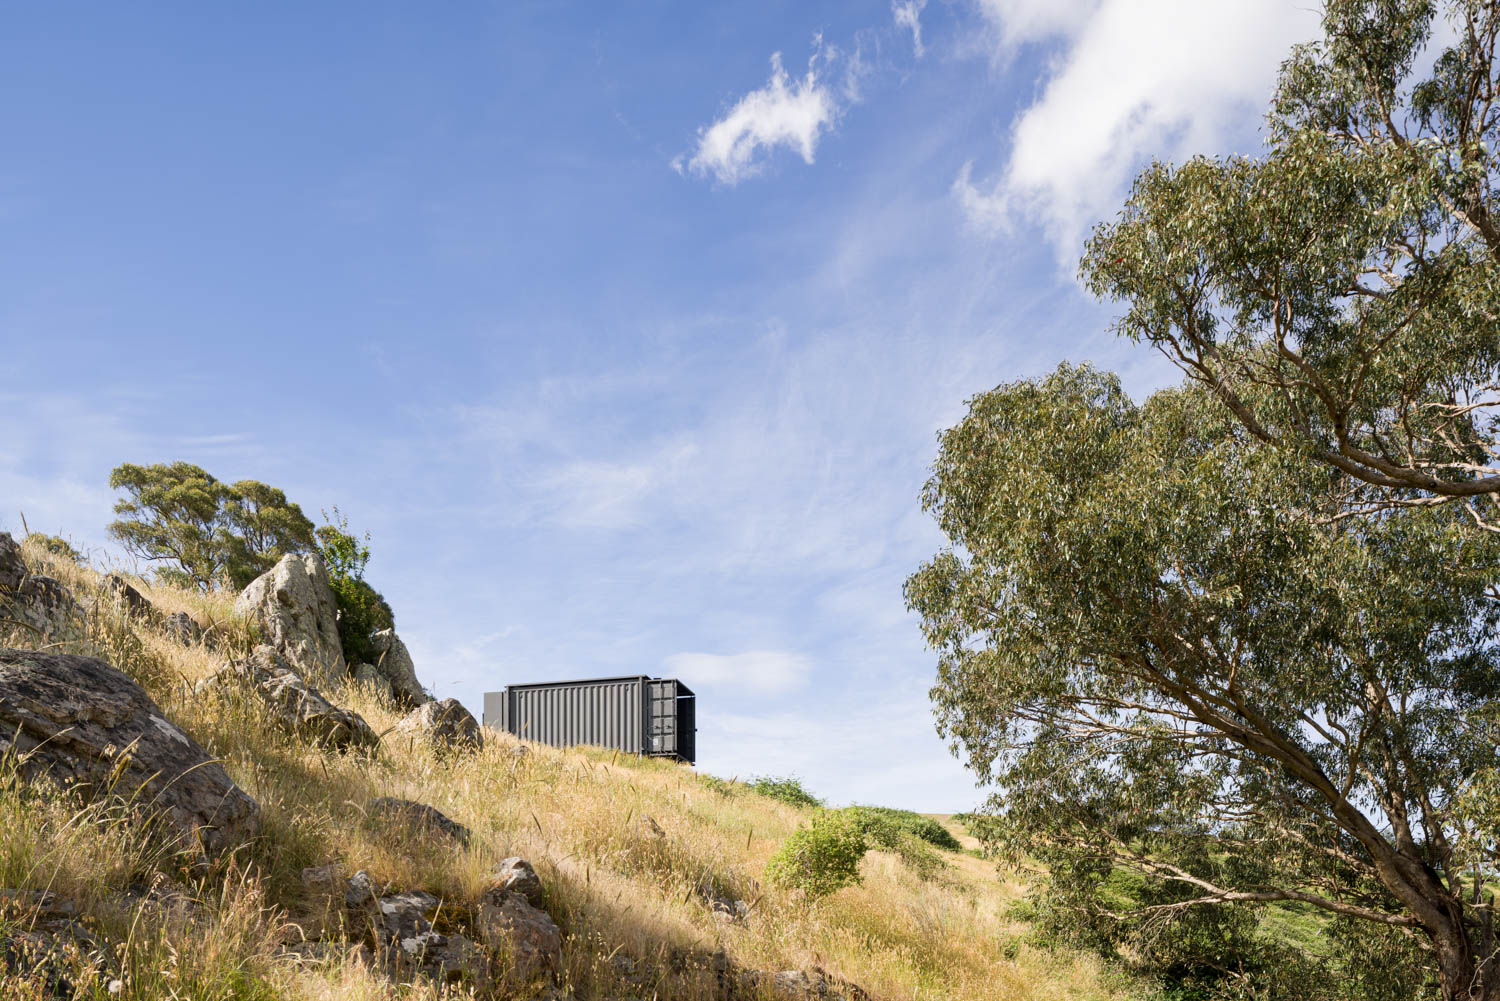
(605, 713)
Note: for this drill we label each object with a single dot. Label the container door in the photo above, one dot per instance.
(662, 717)
(687, 728)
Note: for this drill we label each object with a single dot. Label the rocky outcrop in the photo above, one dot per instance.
(134, 603)
(417, 816)
(806, 985)
(183, 628)
(508, 922)
(85, 725)
(297, 707)
(45, 947)
(408, 941)
(394, 665)
(293, 606)
(446, 725)
(37, 603)
(515, 875)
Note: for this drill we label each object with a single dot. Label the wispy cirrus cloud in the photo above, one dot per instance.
(908, 15)
(786, 112)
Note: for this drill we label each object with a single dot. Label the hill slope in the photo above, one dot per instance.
(619, 885)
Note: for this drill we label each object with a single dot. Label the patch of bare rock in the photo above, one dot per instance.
(35, 602)
(412, 933)
(87, 726)
(296, 706)
(445, 724)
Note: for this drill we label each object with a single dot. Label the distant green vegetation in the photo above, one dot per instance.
(788, 790)
(56, 545)
(886, 826)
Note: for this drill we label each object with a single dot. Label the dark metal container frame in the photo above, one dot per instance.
(632, 713)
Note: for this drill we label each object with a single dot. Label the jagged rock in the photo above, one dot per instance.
(293, 605)
(446, 725)
(297, 706)
(406, 935)
(366, 674)
(515, 875)
(419, 816)
(183, 628)
(134, 602)
(361, 890)
(814, 983)
(85, 724)
(393, 663)
(42, 938)
(528, 934)
(35, 601)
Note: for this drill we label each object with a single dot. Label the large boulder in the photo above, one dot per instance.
(86, 725)
(36, 602)
(293, 605)
(297, 706)
(393, 663)
(445, 724)
(510, 923)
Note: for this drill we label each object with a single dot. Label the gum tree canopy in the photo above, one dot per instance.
(1235, 646)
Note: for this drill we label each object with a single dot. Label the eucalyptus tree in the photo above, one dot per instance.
(1234, 647)
(1171, 663)
(1341, 293)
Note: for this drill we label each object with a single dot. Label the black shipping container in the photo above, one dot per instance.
(635, 714)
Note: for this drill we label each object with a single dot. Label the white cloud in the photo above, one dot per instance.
(764, 672)
(908, 15)
(1133, 79)
(785, 112)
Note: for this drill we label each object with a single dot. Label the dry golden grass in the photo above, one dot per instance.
(615, 885)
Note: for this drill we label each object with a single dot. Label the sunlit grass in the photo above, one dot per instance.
(617, 885)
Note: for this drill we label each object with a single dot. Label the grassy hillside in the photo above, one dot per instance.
(615, 886)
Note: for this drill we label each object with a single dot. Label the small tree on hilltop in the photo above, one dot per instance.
(171, 515)
(207, 532)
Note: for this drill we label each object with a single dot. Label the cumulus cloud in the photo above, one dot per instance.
(1132, 79)
(908, 15)
(764, 672)
(793, 113)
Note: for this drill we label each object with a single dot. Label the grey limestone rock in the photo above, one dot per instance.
(515, 875)
(419, 816)
(509, 922)
(293, 605)
(134, 602)
(298, 707)
(394, 664)
(183, 628)
(85, 724)
(38, 603)
(446, 725)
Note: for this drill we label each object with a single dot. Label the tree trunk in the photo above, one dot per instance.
(1463, 976)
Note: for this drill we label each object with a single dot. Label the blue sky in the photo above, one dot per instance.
(625, 329)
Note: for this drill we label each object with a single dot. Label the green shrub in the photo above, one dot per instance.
(56, 545)
(788, 790)
(362, 609)
(886, 826)
(821, 858)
